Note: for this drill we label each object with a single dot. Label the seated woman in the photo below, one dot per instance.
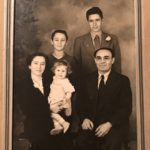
(33, 93)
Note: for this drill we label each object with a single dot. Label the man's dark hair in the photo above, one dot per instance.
(59, 31)
(105, 48)
(94, 10)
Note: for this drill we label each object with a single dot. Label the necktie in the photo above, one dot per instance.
(97, 42)
(99, 99)
(101, 84)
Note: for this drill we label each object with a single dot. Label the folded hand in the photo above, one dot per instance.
(103, 129)
(87, 124)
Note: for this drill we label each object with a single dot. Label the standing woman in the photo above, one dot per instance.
(34, 104)
(59, 40)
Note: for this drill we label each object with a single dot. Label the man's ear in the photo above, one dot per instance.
(29, 67)
(113, 60)
(51, 41)
(95, 60)
(66, 42)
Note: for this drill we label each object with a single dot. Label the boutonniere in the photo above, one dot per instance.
(108, 38)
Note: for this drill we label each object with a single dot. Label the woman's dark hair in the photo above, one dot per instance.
(33, 55)
(59, 31)
(62, 63)
(94, 10)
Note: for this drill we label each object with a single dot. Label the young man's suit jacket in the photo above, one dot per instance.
(84, 50)
(34, 105)
(114, 105)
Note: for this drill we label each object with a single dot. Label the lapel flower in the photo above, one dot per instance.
(108, 38)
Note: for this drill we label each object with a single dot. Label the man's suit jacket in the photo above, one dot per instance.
(84, 50)
(115, 103)
(34, 106)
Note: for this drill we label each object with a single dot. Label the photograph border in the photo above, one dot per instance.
(8, 71)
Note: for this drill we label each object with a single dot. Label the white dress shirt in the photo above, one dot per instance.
(105, 77)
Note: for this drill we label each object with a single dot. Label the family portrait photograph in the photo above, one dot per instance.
(74, 77)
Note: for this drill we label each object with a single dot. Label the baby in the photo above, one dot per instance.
(60, 94)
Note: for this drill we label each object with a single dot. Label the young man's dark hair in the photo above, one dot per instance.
(94, 10)
(59, 31)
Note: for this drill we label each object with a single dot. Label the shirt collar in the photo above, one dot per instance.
(38, 84)
(64, 56)
(105, 75)
(93, 34)
(35, 79)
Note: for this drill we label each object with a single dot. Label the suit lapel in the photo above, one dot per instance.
(95, 80)
(111, 78)
(104, 42)
(111, 82)
(93, 85)
(103, 39)
(46, 86)
(36, 89)
(89, 44)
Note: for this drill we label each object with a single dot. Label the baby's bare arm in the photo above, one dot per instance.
(68, 95)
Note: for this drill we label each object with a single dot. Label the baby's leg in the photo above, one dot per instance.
(57, 118)
(61, 121)
(68, 109)
(57, 127)
(65, 126)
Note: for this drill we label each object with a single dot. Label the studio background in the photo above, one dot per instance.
(35, 20)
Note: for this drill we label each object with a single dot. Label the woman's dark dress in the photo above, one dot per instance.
(34, 106)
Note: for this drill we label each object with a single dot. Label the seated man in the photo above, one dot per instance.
(105, 106)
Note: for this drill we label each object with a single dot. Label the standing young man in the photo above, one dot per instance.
(85, 45)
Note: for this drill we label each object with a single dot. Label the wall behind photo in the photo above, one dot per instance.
(35, 20)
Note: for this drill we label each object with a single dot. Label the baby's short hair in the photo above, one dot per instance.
(62, 63)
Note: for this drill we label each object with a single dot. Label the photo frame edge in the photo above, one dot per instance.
(4, 94)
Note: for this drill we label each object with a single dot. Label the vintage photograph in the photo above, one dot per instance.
(76, 75)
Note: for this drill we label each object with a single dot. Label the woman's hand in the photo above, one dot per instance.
(55, 108)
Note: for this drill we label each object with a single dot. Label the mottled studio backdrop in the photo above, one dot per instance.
(36, 19)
